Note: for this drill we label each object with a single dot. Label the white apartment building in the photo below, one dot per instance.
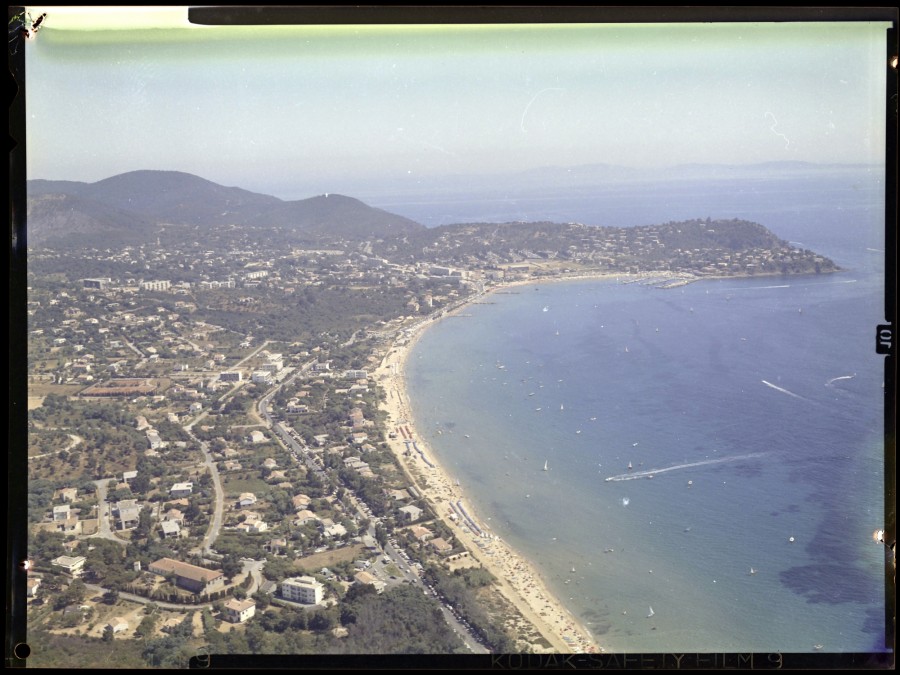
(156, 285)
(302, 589)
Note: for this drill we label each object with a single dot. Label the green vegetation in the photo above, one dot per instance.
(338, 310)
(109, 442)
(400, 621)
(460, 589)
(171, 651)
(49, 650)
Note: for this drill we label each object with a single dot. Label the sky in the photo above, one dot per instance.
(300, 110)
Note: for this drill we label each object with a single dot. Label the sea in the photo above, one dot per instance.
(694, 469)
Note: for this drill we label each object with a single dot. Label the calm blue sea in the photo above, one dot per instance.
(756, 404)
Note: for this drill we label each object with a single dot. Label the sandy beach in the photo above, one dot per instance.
(519, 582)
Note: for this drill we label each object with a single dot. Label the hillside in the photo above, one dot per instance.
(133, 208)
(186, 211)
(70, 220)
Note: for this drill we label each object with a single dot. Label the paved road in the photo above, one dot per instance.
(254, 567)
(249, 356)
(103, 515)
(136, 350)
(215, 522)
(146, 601)
(411, 576)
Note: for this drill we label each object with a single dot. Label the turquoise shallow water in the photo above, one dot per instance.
(755, 403)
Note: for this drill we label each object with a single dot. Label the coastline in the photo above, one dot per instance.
(517, 578)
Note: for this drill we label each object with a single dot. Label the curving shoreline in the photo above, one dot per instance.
(518, 579)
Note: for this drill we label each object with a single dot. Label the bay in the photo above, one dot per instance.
(756, 404)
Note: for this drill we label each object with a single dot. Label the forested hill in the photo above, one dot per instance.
(136, 207)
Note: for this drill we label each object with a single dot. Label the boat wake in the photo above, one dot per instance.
(782, 390)
(706, 462)
(842, 377)
(754, 288)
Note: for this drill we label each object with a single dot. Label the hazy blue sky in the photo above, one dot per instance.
(303, 110)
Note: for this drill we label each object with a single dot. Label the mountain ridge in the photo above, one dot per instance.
(135, 203)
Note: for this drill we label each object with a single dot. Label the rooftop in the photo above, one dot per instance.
(185, 570)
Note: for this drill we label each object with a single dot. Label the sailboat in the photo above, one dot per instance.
(752, 571)
(545, 465)
(651, 613)
(629, 466)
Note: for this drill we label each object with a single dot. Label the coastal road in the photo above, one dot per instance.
(410, 576)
